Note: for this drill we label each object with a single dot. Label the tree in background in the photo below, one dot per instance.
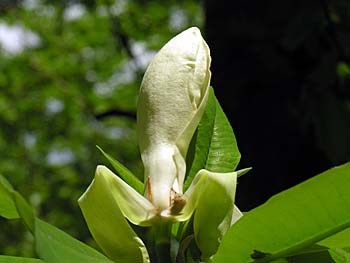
(69, 80)
(281, 72)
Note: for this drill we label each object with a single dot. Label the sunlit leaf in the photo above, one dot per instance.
(338, 240)
(214, 146)
(292, 220)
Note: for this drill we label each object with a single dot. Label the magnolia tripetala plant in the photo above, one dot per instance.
(172, 99)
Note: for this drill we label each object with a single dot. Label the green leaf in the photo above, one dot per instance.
(280, 260)
(340, 255)
(292, 220)
(312, 257)
(7, 204)
(9, 259)
(339, 245)
(213, 146)
(102, 205)
(314, 249)
(339, 240)
(124, 172)
(14, 206)
(25, 211)
(56, 246)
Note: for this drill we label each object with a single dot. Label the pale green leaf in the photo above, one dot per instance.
(55, 246)
(292, 220)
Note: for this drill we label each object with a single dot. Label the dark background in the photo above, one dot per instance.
(277, 73)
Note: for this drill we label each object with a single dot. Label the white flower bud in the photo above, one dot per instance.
(172, 99)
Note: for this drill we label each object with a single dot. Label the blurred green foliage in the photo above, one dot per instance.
(73, 87)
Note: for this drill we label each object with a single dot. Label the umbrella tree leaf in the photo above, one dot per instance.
(9, 259)
(291, 220)
(338, 240)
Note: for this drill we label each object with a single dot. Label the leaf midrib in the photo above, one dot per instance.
(290, 251)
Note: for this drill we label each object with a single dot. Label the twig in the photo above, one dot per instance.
(115, 112)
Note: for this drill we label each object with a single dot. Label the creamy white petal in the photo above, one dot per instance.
(172, 99)
(106, 222)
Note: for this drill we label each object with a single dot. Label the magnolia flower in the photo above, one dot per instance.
(172, 99)
(173, 95)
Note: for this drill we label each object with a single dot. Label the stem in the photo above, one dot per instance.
(162, 241)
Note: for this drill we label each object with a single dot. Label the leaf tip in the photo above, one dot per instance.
(243, 171)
